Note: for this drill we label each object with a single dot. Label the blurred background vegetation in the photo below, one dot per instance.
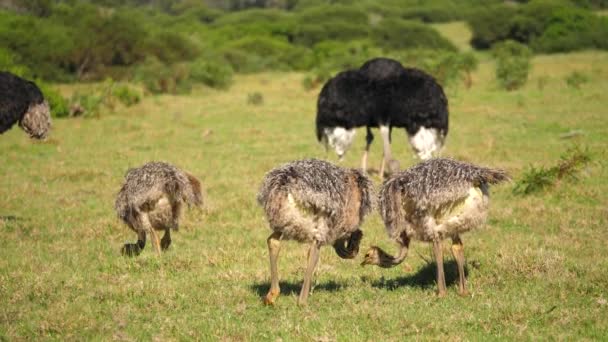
(169, 45)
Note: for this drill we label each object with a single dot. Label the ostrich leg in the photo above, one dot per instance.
(386, 147)
(441, 288)
(274, 246)
(165, 242)
(313, 258)
(145, 223)
(458, 252)
(368, 140)
(133, 249)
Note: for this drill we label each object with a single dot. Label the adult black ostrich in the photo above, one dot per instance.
(22, 101)
(382, 93)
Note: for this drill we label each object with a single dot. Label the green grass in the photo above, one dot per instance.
(536, 271)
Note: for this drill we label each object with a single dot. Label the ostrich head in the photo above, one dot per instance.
(339, 139)
(36, 122)
(376, 256)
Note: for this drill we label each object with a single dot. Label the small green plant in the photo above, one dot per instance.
(126, 95)
(512, 64)
(213, 73)
(537, 179)
(318, 77)
(58, 104)
(576, 79)
(86, 105)
(255, 98)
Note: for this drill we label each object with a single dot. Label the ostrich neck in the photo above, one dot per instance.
(387, 260)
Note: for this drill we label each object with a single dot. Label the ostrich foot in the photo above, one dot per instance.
(270, 297)
(441, 294)
(165, 243)
(463, 293)
(130, 249)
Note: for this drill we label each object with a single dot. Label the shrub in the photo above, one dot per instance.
(512, 64)
(570, 29)
(85, 104)
(337, 55)
(546, 25)
(211, 72)
(538, 179)
(8, 62)
(330, 22)
(159, 78)
(490, 25)
(257, 53)
(396, 34)
(57, 103)
(255, 98)
(576, 79)
(126, 95)
(316, 78)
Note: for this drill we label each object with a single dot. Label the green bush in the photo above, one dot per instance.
(8, 62)
(126, 94)
(545, 25)
(512, 64)
(334, 55)
(395, 34)
(257, 53)
(86, 104)
(490, 25)
(159, 78)
(335, 22)
(539, 179)
(255, 98)
(436, 14)
(576, 79)
(571, 29)
(211, 72)
(58, 104)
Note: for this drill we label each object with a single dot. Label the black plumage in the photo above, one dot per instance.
(22, 102)
(383, 93)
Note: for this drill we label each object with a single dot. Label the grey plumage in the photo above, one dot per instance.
(152, 198)
(320, 188)
(427, 189)
(316, 202)
(434, 200)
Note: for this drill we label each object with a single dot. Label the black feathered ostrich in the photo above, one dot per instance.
(382, 93)
(21, 101)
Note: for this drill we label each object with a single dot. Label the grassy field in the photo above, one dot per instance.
(537, 270)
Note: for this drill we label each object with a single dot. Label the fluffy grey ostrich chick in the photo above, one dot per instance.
(21, 101)
(434, 200)
(151, 199)
(315, 202)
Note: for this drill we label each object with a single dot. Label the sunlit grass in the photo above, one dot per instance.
(536, 271)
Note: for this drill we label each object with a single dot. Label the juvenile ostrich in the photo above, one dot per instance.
(21, 101)
(382, 93)
(151, 199)
(315, 202)
(431, 201)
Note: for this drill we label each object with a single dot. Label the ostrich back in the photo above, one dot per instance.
(437, 197)
(347, 100)
(301, 196)
(417, 100)
(381, 69)
(156, 183)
